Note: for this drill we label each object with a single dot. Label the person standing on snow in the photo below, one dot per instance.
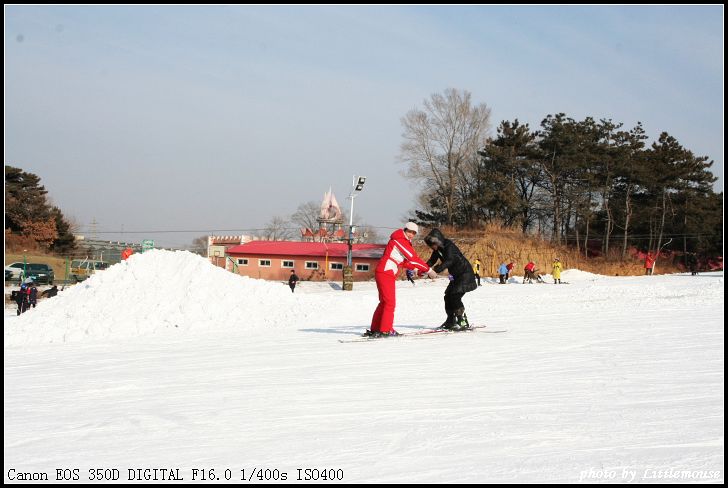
(22, 297)
(509, 268)
(556, 271)
(476, 270)
(649, 263)
(32, 295)
(293, 280)
(398, 253)
(452, 260)
(410, 276)
(528, 272)
(503, 273)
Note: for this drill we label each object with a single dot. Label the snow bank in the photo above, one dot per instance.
(578, 275)
(153, 292)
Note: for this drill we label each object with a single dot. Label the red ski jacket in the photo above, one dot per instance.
(400, 253)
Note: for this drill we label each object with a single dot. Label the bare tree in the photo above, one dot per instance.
(199, 245)
(278, 229)
(306, 214)
(441, 139)
(367, 233)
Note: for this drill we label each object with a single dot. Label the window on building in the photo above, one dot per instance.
(264, 263)
(362, 267)
(334, 266)
(286, 264)
(311, 264)
(242, 262)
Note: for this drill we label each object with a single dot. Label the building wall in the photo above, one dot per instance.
(217, 247)
(277, 272)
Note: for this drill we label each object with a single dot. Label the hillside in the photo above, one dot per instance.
(495, 245)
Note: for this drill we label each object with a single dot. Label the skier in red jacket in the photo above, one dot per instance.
(509, 267)
(398, 253)
(530, 273)
(649, 263)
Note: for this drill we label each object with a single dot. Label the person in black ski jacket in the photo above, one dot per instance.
(32, 296)
(452, 260)
(293, 280)
(22, 297)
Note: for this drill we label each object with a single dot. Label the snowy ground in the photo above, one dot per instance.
(167, 362)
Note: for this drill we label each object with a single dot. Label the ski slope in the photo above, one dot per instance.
(167, 362)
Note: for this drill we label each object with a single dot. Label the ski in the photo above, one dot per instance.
(422, 333)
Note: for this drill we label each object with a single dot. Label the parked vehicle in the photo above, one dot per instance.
(15, 269)
(41, 273)
(82, 269)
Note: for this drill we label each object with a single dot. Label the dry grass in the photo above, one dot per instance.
(494, 245)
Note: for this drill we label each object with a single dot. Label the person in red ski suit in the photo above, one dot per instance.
(398, 253)
(649, 263)
(530, 273)
(509, 267)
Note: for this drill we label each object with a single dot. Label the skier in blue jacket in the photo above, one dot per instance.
(502, 273)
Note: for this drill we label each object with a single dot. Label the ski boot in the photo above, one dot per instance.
(450, 321)
(461, 319)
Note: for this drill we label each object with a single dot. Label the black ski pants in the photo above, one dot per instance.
(454, 301)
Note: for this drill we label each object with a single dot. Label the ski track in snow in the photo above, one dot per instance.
(167, 361)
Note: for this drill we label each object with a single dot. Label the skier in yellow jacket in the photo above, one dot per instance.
(556, 272)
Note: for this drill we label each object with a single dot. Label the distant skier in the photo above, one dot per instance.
(509, 268)
(293, 280)
(556, 271)
(22, 297)
(410, 276)
(528, 272)
(450, 257)
(32, 295)
(476, 270)
(692, 260)
(503, 273)
(649, 263)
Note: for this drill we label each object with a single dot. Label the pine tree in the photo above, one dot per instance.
(28, 213)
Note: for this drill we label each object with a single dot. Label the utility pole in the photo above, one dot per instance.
(357, 185)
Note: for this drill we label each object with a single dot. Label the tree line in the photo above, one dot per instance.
(31, 220)
(576, 182)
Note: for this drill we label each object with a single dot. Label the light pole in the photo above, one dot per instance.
(357, 185)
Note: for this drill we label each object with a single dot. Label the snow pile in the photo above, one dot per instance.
(578, 275)
(152, 292)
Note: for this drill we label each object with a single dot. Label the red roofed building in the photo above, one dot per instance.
(316, 261)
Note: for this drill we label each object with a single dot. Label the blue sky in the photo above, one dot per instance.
(201, 118)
